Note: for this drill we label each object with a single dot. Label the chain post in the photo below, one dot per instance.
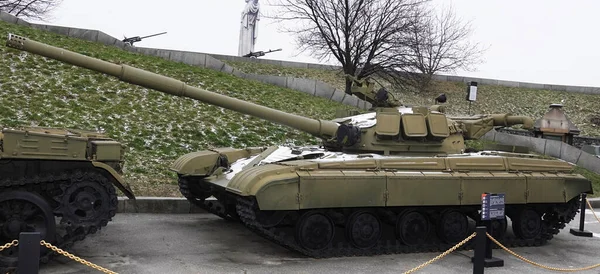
(489, 260)
(479, 257)
(483, 249)
(29, 252)
(581, 232)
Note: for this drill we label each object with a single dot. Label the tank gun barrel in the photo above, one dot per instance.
(320, 128)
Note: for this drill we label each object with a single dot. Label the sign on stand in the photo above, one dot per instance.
(492, 206)
(471, 93)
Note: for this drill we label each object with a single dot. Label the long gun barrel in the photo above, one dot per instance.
(134, 39)
(320, 128)
(152, 35)
(260, 53)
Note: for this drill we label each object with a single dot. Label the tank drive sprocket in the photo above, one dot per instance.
(88, 201)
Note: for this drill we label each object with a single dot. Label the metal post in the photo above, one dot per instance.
(29, 252)
(488, 241)
(489, 260)
(581, 232)
(479, 257)
(469, 108)
(483, 250)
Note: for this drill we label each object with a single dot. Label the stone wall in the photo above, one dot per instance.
(288, 64)
(552, 148)
(578, 141)
(443, 78)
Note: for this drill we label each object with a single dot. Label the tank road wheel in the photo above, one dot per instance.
(314, 230)
(363, 229)
(22, 211)
(453, 226)
(412, 228)
(527, 224)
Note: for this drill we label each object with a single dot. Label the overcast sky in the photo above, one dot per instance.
(542, 41)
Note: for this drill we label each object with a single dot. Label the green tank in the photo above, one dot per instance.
(59, 182)
(394, 180)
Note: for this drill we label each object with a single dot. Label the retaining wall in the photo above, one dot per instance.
(310, 86)
(275, 62)
(552, 148)
(578, 141)
(442, 78)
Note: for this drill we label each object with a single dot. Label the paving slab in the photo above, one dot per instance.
(203, 243)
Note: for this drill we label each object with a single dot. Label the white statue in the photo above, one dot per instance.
(249, 27)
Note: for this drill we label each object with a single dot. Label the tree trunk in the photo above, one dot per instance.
(348, 86)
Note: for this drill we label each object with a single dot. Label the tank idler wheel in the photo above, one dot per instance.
(453, 226)
(527, 224)
(22, 211)
(412, 228)
(314, 230)
(363, 229)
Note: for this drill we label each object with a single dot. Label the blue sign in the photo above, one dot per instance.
(492, 206)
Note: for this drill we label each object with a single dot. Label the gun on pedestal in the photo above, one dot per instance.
(259, 53)
(134, 39)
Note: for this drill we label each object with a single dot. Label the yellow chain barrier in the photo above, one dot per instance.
(592, 209)
(7, 245)
(73, 257)
(442, 255)
(540, 265)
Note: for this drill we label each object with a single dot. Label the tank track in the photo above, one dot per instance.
(52, 188)
(554, 219)
(213, 206)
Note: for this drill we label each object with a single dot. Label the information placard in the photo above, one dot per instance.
(492, 206)
(472, 91)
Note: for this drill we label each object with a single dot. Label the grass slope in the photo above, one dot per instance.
(580, 108)
(156, 128)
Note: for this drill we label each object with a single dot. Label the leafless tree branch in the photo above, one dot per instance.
(438, 43)
(357, 33)
(34, 9)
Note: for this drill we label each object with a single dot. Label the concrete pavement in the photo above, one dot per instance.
(203, 243)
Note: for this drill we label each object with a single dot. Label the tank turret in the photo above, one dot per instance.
(390, 129)
(393, 180)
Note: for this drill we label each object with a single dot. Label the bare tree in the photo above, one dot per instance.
(35, 9)
(439, 43)
(357, 33)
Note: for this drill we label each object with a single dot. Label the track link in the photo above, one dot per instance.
(555, 218)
